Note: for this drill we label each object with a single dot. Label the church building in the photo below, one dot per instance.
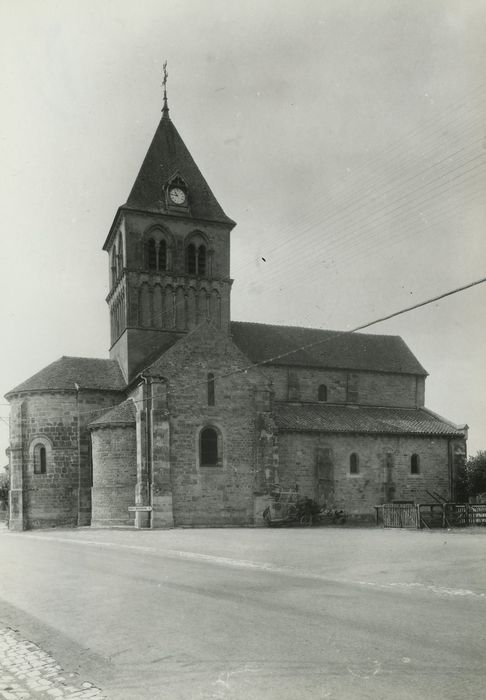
(194, 419)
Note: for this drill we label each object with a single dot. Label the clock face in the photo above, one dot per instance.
(177, 195)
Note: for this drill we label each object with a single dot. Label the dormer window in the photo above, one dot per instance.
(176, 193)
(322, 393)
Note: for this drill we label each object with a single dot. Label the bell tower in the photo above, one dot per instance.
(169, 253)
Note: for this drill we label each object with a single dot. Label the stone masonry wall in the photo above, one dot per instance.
(160, 304)
(114, 475)
(223, 494)
(51, 419)
(370, 388)
(384, 468)
(178, 229)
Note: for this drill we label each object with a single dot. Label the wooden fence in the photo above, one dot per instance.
(430, 515)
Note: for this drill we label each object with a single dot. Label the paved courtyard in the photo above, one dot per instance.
(242, 614)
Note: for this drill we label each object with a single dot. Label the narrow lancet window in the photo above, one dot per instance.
(191, 259)
(162, 256)
(201, 260)
(414, 464)
(151, 255)
(40, 459)
(211, 394)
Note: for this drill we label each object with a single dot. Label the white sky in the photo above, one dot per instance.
(346, 139)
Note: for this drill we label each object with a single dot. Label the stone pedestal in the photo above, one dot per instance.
(16, 510)
(162, 516)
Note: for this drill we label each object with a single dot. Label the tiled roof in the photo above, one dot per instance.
(361, 419)
(166, 157)
(330, 349)
(87, 372)
(123, 414)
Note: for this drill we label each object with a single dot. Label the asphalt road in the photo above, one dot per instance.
(254, 614)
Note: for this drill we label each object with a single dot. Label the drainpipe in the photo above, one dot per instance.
(148, 454)
(77, 387)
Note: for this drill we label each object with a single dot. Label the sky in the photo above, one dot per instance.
(346, 139)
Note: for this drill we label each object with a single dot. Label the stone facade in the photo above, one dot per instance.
(319, 465)
(364, 388)
(114, 476)
(218, 494)
(59, 491)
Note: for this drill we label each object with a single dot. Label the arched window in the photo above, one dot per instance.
(119, 266)
(208, 452)
(162, 256)
(191, 259)
(196, 256)
(211, 395)
(157, 250)
(113, 266)
(354, 463)
(322, 393)
(40, 459)
(151, 254)
(414, 464)
(201, 260)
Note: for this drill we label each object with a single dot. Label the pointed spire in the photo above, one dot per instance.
(165, 108)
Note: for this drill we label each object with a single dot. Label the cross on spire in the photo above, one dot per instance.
(165, 108)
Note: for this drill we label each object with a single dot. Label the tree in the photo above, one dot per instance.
(472, 480)
(4, 487)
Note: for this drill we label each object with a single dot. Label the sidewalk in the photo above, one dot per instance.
(28, 672)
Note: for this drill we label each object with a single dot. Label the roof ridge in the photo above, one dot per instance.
(320, 347)
(314, 328)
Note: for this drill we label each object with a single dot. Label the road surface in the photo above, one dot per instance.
(282, 614)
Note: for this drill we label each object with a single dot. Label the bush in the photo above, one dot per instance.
(472, 480)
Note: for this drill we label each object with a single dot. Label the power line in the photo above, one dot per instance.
(356, 232)
(335, 206)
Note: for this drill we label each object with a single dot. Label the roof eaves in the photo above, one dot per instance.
(463, 427)
(113, 228)
(225, 220)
